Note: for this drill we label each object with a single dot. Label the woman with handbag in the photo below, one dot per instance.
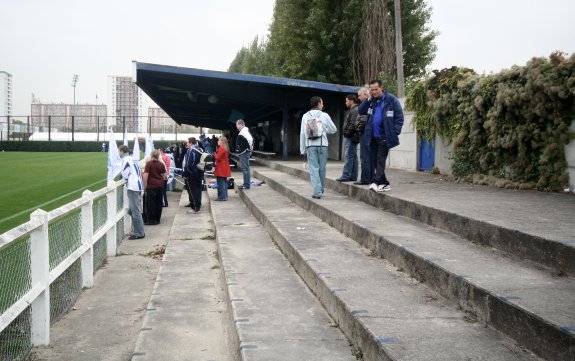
(222, 169)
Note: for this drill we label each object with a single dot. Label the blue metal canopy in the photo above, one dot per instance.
(213, 99)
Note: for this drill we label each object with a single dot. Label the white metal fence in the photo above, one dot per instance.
(45, 263)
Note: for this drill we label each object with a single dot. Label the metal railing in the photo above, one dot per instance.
(87, 127)
(45, 263)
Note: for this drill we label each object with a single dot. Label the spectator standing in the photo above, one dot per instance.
(134, 185)
(182, 149)
(194, 175)
(166, 161)
(214, 141)
(384, 123)
(222, 171)
(364, 149)
(244, 147)
(154, 175)
(350, 140)
(316, 147)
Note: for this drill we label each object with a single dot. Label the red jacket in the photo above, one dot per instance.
(222, 163)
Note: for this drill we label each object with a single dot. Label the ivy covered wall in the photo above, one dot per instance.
(508, 129)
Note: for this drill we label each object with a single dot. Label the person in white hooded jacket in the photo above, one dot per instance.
(315, 145)
(244, 148)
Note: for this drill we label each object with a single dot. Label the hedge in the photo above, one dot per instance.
(508, 129)
(67, 146)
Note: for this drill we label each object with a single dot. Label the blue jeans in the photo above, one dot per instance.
(245, 164)
(351, 164)
(222, 188)
(316, 161)
(366, 166)
(135, 210)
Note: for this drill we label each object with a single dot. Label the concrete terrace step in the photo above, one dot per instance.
(276, 316)
(520, 298)
(517, 222)
(187, 316)
(385, 313)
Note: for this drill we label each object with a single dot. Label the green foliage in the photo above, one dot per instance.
(513, 125)
(252, 59)
(312, 39)
(418, 39)
(51, 146)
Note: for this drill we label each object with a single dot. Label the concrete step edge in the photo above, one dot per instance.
(233, 295)
(355, 330)
(547, 252)
(235, 342)
(536, 333)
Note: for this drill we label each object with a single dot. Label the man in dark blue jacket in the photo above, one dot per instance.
(381, 133)
(194, 176)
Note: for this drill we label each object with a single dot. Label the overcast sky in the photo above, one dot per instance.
(44, 43)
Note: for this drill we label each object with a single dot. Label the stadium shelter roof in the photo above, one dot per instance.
(215, 99)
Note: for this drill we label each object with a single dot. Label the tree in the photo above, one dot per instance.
(373, 46)
(340, 41)
(418, 39)
(251, 59)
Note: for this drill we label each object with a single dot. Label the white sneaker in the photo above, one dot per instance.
(383, 188)
(373, 187)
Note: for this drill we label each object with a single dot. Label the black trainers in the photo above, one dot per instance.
(133, 236)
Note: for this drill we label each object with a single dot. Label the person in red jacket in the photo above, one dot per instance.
(222, 169)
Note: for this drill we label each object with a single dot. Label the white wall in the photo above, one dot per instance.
(443, 150)
(404, 156)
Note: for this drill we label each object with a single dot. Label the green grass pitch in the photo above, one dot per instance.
(32, 180)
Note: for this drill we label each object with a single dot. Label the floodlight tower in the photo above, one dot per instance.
(74, 82)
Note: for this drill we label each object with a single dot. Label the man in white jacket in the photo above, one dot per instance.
(315, 125)
(131, 173)
(244, 148)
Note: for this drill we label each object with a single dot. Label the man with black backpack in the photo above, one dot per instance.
(315, 126)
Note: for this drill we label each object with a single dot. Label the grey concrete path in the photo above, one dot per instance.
(106, 319)
(544, 214)
(276, 317)
(524, 223)
(526, 301)
(187, 316)
(386, 313)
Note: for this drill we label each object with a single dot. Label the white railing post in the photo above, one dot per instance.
(40, 272)
(111, 244)
(87, 258)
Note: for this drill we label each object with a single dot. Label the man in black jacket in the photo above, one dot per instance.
(350, 140)
(194, 175)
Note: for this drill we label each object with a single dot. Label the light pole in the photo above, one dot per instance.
(74, 83)
(399, 50)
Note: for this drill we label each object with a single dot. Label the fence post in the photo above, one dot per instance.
(8, 128)
(87, 258)
(40, 267)
(72, 128)
(49, 127)
(111, 204)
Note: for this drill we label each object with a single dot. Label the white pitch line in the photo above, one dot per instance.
(45, 203)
